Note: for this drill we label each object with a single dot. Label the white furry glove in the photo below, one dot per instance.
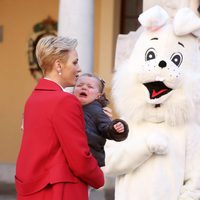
(189, 194)
(157, 143)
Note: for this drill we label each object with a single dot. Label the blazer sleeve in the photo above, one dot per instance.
(69, 126)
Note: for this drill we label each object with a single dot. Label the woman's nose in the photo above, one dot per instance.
(79, 69)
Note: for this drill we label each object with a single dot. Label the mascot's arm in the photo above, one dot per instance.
(124, 157)
(191, 186)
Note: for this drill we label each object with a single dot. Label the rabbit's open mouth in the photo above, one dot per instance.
(157, 89)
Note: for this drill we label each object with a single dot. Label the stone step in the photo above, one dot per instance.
(7, 172)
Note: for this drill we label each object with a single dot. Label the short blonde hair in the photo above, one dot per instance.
(50, 48)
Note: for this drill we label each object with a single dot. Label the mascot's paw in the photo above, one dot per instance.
(187, 198)
(157, 144)
(188, 194)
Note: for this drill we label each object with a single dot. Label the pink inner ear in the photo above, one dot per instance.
(153, 28)
(153, 18)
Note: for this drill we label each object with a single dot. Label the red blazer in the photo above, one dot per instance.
(54, 146)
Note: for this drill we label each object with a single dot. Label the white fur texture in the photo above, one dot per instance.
(153, 18)
(160, 159)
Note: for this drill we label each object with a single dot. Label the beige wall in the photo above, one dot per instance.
(105, 33)
(106, 30)
(17, 18)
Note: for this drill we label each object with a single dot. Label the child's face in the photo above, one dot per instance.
(86, 89)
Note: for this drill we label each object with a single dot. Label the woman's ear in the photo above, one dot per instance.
(58, 66)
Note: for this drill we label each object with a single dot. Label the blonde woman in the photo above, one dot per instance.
(54, 161)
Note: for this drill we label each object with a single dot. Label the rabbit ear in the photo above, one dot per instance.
(186, 22)
(153, 18)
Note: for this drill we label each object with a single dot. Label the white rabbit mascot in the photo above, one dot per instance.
(157, 91)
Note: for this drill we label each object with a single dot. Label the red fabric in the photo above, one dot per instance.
(54, 148)
(56, 192)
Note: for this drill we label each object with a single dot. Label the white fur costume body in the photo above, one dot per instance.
(157, 92)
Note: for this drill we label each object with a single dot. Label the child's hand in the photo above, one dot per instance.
(119, 127)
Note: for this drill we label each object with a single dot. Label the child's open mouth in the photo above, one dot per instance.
(83, 94)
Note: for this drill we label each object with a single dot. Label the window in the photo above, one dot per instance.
(130, 10)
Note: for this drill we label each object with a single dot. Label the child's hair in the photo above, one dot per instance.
(101, 83)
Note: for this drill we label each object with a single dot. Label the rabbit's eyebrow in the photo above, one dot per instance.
(181, 44)
(154, 38)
